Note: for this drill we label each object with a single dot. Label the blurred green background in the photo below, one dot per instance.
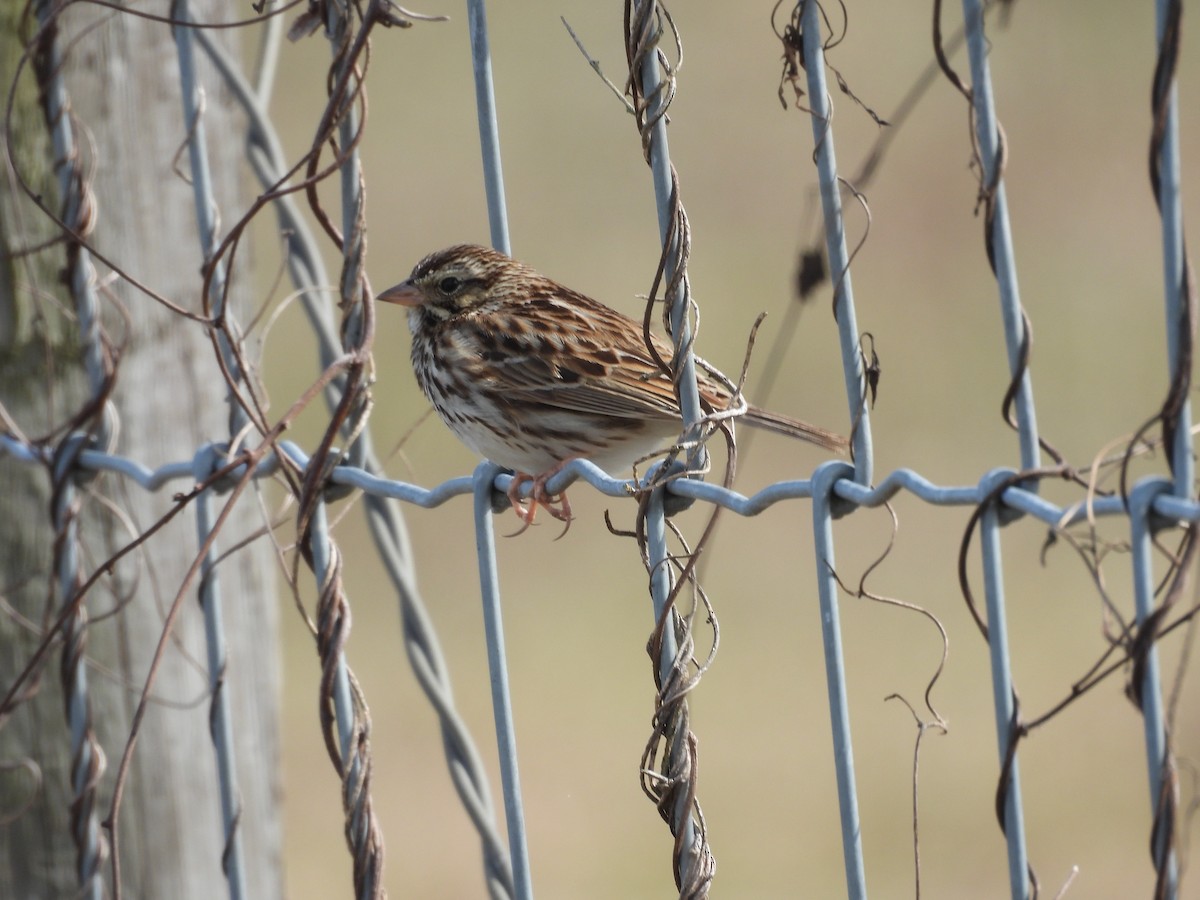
(1072, 85)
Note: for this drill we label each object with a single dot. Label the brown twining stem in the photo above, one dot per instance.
(1016, 731)
(993, 497)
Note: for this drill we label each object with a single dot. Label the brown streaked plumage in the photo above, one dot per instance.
(532, 374)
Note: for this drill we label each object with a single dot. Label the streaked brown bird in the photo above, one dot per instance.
(532, 374)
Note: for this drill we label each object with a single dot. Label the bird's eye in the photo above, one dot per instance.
(449, 285)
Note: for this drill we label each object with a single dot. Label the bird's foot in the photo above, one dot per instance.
(556, 505)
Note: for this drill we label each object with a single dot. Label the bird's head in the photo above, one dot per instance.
(455, 280)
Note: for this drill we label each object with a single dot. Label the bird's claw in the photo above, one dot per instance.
(556, 505)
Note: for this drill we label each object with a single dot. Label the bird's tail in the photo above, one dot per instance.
(785, 425)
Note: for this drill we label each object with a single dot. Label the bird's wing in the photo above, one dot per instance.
(585, 357)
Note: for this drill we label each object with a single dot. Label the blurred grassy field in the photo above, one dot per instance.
(1072, 87)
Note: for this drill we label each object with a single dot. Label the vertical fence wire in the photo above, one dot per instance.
(998, 234)
(1177, 276)
(489, 130)
(991, 152)
(1004, 699)
(651, 81)
(351, 751)
(517, 866)
(345, 719)
(674, 784)
(502, 711)
(824, 481)
(87, 754)
(835, 241)
(1148, 692)
(78, 217)
(1177, 431)
(220, 719)
(205, 203)
(78, 203)
(358, 315)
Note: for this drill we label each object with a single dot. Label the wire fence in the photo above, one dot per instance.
(1159, 508)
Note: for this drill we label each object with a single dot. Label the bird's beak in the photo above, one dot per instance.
(405, 293)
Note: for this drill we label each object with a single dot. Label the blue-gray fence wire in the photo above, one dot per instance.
(345, 459)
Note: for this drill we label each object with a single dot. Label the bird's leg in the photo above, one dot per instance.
(556, 505)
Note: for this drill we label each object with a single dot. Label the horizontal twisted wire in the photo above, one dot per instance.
(580, 470)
